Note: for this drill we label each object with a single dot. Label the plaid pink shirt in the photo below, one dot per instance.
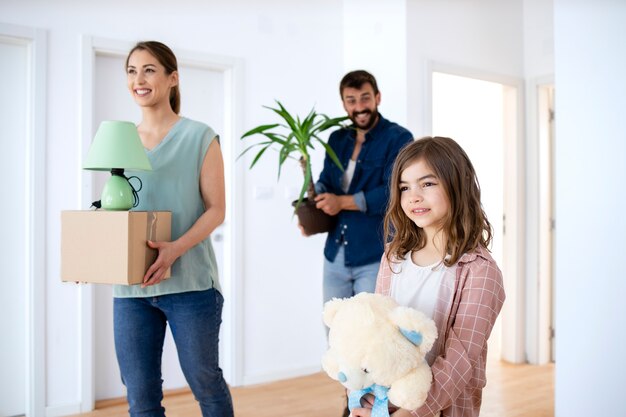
(465, 315)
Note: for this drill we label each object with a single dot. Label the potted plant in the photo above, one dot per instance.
(298, 136)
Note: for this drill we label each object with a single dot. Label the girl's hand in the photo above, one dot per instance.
(361, 412)
(168, 253)
(367, 412)
(367, 402)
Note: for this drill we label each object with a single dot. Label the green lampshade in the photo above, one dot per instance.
(117, 147)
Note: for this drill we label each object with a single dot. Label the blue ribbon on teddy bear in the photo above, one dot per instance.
(381, 402)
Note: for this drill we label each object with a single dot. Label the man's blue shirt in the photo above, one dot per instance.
(361, 232)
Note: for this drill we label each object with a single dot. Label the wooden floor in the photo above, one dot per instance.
(512, 391)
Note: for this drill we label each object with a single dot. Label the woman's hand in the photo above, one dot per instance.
(168, 253)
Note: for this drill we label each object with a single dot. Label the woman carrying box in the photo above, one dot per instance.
(188, 180)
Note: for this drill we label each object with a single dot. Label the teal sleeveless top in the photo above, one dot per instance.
(174, 185)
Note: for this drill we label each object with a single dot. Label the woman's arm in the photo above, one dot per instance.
(213, 194)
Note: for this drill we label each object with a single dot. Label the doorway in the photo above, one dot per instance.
(23, 165)
(209, 96)
(13, 221)
(480, 112)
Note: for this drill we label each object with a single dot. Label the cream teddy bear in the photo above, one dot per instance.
(377, 346)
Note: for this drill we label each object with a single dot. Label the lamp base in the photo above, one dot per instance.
(117, 194)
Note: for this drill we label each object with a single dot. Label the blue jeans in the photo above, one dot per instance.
(341, 281)
(139, 327)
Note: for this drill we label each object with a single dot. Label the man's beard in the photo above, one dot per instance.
(370, 123)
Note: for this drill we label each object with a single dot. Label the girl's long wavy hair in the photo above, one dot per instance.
(465, 226)
(166, 57)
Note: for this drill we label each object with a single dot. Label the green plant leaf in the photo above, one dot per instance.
(259, 129)
(307, 180)
(250, 147)
(285, 153)
(298, 137)
(277, 138)
(328, 123)
(308, 124)
(282, 112)
(258, 155)
(331, 153)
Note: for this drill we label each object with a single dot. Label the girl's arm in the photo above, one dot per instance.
(482, 296)
(213, 194)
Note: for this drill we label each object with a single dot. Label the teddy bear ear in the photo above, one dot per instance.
(415, 326)
(330, 309)
(412, 336)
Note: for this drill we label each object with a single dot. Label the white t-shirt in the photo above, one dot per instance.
(417, 286)
(347, 176)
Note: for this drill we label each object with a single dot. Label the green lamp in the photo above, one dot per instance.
(117, 147)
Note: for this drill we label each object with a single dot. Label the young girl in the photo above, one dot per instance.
(187, 179)
(437, 261)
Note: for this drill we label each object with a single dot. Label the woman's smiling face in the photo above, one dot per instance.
(148, 81)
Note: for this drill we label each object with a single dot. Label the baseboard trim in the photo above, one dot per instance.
(63, 410)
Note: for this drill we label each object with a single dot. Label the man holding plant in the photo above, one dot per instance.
(357, 195)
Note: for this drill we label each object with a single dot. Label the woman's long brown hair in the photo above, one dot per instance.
(465, 226)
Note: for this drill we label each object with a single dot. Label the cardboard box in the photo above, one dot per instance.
(110, 247)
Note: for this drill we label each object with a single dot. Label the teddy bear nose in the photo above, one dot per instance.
(342, 377)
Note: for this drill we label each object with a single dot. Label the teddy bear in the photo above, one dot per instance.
(376, 346)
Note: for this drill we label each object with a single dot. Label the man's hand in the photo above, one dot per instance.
(329, 203)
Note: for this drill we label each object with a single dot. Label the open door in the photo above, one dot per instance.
(481, 114)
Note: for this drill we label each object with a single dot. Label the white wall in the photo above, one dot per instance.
(290, 52)
(590, 63)
(483, 35)
(375, 39)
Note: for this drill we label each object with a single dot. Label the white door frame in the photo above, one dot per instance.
(545, 278)
(232, 70)
(36, 42)
(538, 228)
(513, 269)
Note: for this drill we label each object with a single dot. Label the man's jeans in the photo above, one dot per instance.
(194, 318)
(342, 281)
